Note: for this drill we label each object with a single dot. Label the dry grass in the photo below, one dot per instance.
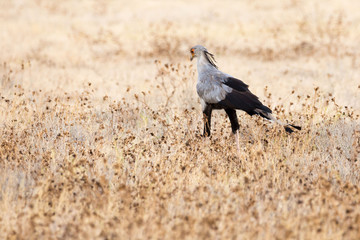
(100, 121)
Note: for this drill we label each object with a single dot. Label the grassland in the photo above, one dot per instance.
(100, 121)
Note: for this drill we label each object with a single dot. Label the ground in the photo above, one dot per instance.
(101, 124)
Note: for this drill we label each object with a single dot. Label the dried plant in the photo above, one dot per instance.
(99, 142)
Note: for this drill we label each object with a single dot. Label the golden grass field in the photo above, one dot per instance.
(101, 123)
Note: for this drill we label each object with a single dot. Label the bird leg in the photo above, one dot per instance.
(233, 119)
(207, 120)
(237, 142)
(234, 126)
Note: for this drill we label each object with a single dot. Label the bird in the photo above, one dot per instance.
(219, 90)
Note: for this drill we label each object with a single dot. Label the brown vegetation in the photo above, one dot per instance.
(100, 121)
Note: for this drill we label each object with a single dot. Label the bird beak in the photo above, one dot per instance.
(192, 56)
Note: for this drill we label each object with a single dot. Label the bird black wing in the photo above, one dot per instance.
(236, 84)
(241, 98)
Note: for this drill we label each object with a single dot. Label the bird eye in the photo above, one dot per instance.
(192, 50)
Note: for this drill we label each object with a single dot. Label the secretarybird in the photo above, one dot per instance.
(218, 90)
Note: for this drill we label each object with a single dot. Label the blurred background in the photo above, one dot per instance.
(285, 45)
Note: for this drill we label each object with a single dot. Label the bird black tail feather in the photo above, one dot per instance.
(289, 130)
(296, 127)
(267, 115)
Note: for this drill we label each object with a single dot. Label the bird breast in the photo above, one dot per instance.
(211, 90)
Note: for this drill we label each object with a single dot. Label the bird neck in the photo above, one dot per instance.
(203, 63)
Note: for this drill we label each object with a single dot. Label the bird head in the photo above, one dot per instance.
(198, 51)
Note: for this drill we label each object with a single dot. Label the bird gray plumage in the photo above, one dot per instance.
(218, 90)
